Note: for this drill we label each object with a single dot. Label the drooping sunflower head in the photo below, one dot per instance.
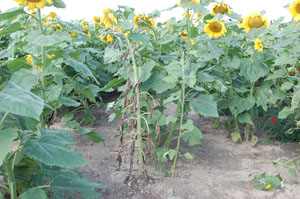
(87, 32)
(139, 19)
(97, 20)
(32, 4)
(215, 28)
(258, 45)
(84, 24)
(58, 27)
(255, 20)
(221, 8)
(294, 9)
(109, 19)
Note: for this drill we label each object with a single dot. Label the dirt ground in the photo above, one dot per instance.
(219, 170)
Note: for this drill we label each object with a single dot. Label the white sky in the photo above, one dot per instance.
(86, 9)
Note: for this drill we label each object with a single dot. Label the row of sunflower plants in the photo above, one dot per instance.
(213, 62)
(43, 71)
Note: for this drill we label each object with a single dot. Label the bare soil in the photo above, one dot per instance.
(219, 170)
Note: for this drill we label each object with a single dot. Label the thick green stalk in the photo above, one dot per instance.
(43, 76)
(138, 111)
(10, 179)
(2, 120)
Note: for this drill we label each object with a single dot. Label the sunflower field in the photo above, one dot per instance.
(211, 61)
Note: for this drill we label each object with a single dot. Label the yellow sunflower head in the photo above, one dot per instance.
(215, 28)
(32, 4)
(109, 39)
(138, 19)
(87, 32)
(184, 34)
(198, 15)
(52, 15)
(73, 33)
(45, 22)
(294, 9)
(255, 20)
(194, 1)
(221, 8)
(84, 24)
(258, 45)
(109, 19)
(58, 27)
(97, 20)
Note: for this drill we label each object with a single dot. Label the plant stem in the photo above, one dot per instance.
(168, 142)
(4, 187)
(181, 101)
(43, 77)
(3, 118)
(138, 111)
(10, 179)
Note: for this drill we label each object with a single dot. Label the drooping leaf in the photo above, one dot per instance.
(113, 83)
(69, 182)
(157, 83)
(295, 101)
(21, 102)
(146, 70)
(17, 64)
(205, 105)
(245, 118)
(24, 79)
(34, 193)
(285, 112)
(53, 149)
(139, 37)
(11, 29)
(92, 135)
(193, 137)
(7, 137)
(253, 72)
(59, 4)
(238, 104)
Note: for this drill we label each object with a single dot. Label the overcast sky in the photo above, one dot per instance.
(78, 9)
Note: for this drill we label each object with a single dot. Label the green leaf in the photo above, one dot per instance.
(274, 181)
(295, 101)
(11, 29)
(139, 37)
(68, 183)
(205, 77)
(21, 102)
(188, 156)
(88, 93)
(293, 173)
(193, 32)
(59, 4)
(36, 38)
(238, 104)
(1, 196)
(111, 54)
(285, 58)
(262, 95)
(245, 118)
(53, 149)
(11, 13)
(193, 137)
(53, 92)
(157, 83)
(113, 83)
(277, 74)
(205, 105)
(17, 64)
(285, 112)
(34, 193)
(146, 70)
(70, 102)
(24, 79)
(7, 137)
(253, 72)
(286, 86)
(80, 67)
(94, 136)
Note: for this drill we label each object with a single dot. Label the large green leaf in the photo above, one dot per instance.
(17, 64)
(253, 72)
(80, 67)
(11, 29)
(139, 37)
(111, 54)
(295, 101)
(285, 112)
(53, 149)
(19, 101)
(239, 104)
(113, 83)
(205, 105)
(157, 83)
(36, 38)
(24, 79)
(262, 95)
(11, 13)
(192, 136)
(7, 137)
(34, 193)
(69, 182)
(145, 70)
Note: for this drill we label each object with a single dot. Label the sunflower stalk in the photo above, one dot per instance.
(10, 178)
(43, 76)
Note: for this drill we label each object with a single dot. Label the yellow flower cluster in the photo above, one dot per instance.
(138, 19)
(109, 19)
(109, 38)
(29, 61)
(32, 4)
(258, 45)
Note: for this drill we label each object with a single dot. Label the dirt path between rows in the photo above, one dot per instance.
(219, 169)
